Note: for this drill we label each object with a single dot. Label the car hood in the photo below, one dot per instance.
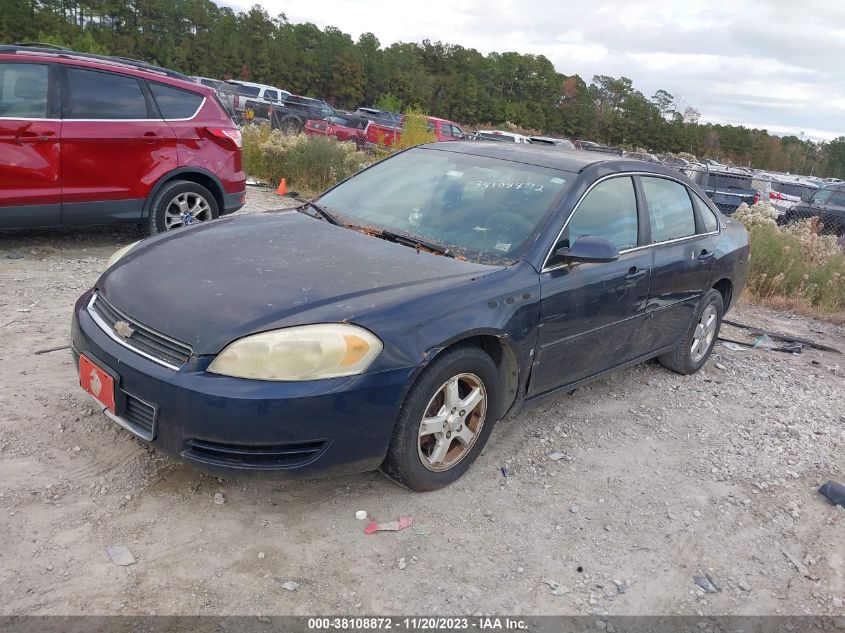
(211, 284)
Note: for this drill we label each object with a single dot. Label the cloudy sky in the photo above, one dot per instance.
(774, 64)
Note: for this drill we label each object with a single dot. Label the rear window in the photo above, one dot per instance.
(174, 103)
(249, 91)
(489, 136)
(727, 181)
(101, 95)
(790, 189)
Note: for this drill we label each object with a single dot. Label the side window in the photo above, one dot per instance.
(23, 91)
(837, 199)
(711, 222)
(669, 209)
(100, 95)
(174, 103)
(271, 95)
(457, 132)
(609, 211)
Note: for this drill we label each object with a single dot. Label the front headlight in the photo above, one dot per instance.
(120, 253)
(305, 352)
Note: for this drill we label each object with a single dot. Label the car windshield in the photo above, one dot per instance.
(482, 209)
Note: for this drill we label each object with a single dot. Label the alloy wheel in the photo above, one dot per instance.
(186, 208)
(452, 422)
(704, 332)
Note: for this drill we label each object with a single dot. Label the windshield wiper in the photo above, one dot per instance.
(416, 242)
(321, 212)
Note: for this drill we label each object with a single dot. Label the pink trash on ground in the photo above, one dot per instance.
(392, 526)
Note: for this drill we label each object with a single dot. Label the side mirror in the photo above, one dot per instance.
(589, 249)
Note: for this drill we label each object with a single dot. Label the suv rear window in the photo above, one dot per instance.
(23, 91)
(174, 103)
(805, 192)
(249, 91)
(101, 95)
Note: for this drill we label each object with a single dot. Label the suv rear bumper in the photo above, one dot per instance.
(232, 202)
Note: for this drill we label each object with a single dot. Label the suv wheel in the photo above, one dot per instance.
(291, 126)
(181, 203)
(445, 420)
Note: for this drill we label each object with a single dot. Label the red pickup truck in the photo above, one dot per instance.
(443, 129)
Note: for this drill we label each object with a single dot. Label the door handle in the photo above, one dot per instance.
(636, 273)
(705, 255)
(151, 137)
(20, 140)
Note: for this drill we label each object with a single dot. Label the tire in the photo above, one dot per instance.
(291, 126)
(412, 458)
(165, 206)
(684, 359)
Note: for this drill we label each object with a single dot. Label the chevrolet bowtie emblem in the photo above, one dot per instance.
(123, 329)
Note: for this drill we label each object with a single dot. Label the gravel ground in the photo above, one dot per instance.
(663, 478)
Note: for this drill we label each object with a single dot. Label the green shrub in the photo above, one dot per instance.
(389, 102)
(310, 164)
(793, 263)
(415, 130)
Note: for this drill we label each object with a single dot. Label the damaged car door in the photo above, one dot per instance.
(591, 312)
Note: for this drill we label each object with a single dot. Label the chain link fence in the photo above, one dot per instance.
(793, 198)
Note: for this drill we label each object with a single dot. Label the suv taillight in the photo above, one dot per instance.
(776, 196)
(223, 133)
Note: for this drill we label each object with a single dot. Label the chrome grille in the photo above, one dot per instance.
(138, 337)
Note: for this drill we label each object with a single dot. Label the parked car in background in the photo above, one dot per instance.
(520, 272)
(728, 187)
(650, 158)
(87, 139)
(207, 81)
(443, 130)
(827, 204)
(674, 161)
(581, 144)
(348, 127)
(561, 143)
(291, 114)
(781, 191)
(238, 93)
(381, 117)
(500, 136)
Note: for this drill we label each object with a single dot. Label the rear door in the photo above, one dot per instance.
(683, 240)
(591, 313)
(30, 145)
(115, 147)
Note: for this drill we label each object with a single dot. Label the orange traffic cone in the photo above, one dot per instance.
(282, 189)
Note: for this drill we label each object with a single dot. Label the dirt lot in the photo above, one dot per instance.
(664, 478)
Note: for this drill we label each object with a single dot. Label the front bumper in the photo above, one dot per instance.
(233, 426)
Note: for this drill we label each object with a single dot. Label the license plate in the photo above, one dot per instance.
(96, 382)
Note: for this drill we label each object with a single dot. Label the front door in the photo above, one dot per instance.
(115, 147)
(30, 141)
(591, 313)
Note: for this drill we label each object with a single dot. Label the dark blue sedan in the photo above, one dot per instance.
(390, 323)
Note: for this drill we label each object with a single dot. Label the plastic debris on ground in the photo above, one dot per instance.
(763, 341)
(834, 491)
(505, 471)
(707, 583)
(555, 588)
(555, 455)
(792, 348)
(290, 585)
(392, 526)
(120, 555)
(361, 515)
(734, 347)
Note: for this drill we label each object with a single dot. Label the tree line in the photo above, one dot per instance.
(199, 37)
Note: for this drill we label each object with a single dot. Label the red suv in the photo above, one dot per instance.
(86, 139)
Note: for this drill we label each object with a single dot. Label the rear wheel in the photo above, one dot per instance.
(699, 341)
(445, 421)
(291, 126)
(181, 203)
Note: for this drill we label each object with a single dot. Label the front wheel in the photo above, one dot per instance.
(699, 341)
(181, 203)
(445, 420)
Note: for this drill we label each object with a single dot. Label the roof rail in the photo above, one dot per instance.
(49, 49)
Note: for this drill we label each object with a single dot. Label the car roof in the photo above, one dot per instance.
(570, 160)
